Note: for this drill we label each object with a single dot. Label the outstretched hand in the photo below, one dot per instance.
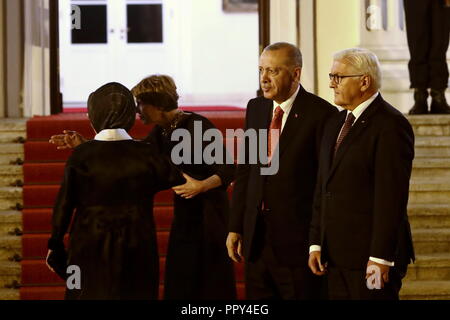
(190, 189)
(67, 140)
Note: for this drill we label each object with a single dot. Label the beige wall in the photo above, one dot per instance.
(338, 27)
(2, 69)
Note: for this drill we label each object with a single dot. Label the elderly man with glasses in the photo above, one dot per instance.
(360, 234)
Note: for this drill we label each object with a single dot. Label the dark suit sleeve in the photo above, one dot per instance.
(240, 186)
(314, 229)
(64, 207)
(393, 162)
(314, 232)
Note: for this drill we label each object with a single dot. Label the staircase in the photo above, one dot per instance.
(429, 210)
(12, 136)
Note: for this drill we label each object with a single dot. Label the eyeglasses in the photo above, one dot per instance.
(337, 78)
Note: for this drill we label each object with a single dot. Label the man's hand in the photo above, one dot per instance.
(67, 140)
(48, 255)
(377, 271)
(315, 264)
(234, 246)
(190, 189)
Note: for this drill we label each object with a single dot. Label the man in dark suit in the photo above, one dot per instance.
(360, 232)
(427, 30)
(271, 214)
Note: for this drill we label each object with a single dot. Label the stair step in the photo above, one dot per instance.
(429, 215)
(429, 191)
(13, 124)
(425, 168)
(425, 290)
(43, 173)
(9, 221)
(9, 294)
(6, 159)
(12, 136)
(430, 125)
(9, 197)
(9, 272)
(428, 267)
(10, 246)
(432, 147)
(11, 148)
(10, 174)
(428, 240)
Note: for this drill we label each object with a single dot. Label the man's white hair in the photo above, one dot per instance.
(362, 61)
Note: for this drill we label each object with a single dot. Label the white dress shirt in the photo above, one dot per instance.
(357, 112)
(286, 106)
(113, 135)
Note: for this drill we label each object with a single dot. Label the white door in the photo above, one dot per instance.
(118, 40)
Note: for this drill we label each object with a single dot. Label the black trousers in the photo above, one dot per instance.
(427, 27)
(266, 279)
(350, 284)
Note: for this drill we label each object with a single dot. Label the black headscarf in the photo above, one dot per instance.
(112, 107)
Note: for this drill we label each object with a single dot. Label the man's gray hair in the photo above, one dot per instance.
(363, 61)
(294, 53)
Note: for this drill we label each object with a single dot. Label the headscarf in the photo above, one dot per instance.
(112, 107)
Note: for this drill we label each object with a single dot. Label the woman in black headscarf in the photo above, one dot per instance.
(109, 184)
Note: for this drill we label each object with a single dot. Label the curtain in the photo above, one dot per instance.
(36, 80)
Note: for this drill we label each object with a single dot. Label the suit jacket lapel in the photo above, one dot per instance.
(293, 121)
(354, 132)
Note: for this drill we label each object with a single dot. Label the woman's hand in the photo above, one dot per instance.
(46, 259)
(67, 140)
(190, 189)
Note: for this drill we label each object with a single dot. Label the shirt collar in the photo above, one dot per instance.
(286, 106)
(357, 112)
(113, 135)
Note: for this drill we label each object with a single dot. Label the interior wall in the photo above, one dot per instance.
(338, 28)
(219, 54)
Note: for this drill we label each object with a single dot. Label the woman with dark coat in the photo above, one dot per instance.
(108, 188)
(197, 264)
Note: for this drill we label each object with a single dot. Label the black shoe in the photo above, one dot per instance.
(420, 102)
(439, 103)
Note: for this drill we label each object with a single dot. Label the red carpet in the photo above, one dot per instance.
(43, 171)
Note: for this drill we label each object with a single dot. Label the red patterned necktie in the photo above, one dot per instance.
(345, 129)
(274, 125)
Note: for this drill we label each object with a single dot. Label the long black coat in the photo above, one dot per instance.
(197, 264)
(110, 186)
(362, 195)
(289, 193)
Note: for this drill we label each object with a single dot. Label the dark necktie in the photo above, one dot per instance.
(345, 129)
(274, 125)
